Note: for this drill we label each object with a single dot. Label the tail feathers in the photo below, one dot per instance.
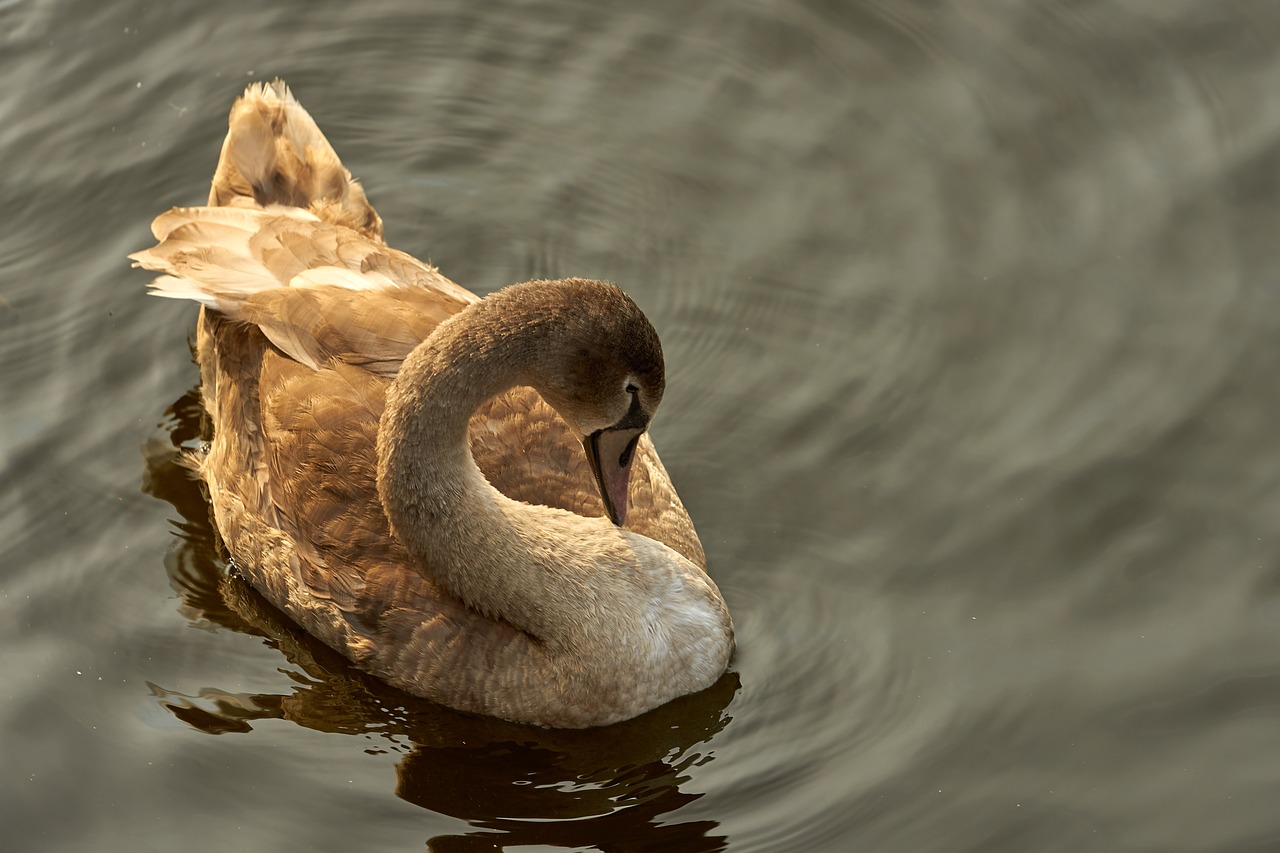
(274, 154)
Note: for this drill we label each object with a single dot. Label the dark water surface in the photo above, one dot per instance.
(972, 320)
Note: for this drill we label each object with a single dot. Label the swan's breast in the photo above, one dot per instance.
(685, 634)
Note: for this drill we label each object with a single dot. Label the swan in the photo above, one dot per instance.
(458, 494)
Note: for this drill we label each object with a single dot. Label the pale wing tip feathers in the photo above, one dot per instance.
(224, 255)
(172, 287)
(204, 254)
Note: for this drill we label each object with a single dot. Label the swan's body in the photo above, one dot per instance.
(385, 472)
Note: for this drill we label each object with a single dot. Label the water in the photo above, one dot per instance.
(972, 334)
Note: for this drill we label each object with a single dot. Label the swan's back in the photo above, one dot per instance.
(307, 316)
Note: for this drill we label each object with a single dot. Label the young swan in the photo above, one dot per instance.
(623, 622)
(382, 472)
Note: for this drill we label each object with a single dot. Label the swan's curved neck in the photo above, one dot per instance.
(506, 559)
(439, 503)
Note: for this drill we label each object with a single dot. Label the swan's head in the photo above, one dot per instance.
(604, 374)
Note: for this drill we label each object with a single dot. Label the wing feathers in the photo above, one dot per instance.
(318, 291)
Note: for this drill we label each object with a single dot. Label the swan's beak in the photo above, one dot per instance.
(611, 452)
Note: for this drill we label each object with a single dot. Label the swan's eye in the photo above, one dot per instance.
(632, 388)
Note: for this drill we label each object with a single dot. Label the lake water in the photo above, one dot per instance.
(972, 323)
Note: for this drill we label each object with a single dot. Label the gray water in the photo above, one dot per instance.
(972, 323)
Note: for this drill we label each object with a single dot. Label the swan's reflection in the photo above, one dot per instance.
(613, 789)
